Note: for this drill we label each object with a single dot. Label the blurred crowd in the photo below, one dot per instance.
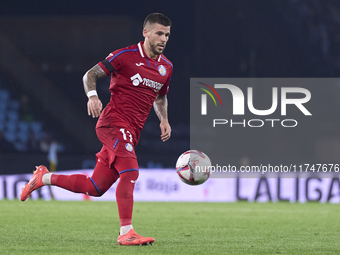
(317, 24)
(20, 131)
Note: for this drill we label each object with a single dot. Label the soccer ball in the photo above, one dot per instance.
(193, 167)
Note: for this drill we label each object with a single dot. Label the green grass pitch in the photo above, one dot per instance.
(55, 227)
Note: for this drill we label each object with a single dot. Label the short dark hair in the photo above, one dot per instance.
(157, 18)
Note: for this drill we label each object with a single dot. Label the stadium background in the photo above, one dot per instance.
(47, 47)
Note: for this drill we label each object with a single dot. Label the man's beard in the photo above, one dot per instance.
(155, 51)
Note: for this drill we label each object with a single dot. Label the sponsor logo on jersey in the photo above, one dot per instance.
(139, 64)
(162, 70)
(152, 84)
(137, 79)
(128, 147)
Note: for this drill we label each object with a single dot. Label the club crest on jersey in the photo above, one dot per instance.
(128, 147)
(162, 70)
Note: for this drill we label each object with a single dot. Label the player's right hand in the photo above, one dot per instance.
(94, 106)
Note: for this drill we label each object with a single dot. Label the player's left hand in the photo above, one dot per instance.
(165, 130)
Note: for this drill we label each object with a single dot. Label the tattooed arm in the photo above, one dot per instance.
(161, 108)
(94, 105)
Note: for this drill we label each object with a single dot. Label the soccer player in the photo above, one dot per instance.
(140, 76)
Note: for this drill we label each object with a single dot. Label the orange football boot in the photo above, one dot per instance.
(34, 183)
(132, 238)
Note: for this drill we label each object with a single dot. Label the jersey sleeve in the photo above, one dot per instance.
(111, 63)
(165, 89)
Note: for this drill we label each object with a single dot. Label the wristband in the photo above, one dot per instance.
(92, 93)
